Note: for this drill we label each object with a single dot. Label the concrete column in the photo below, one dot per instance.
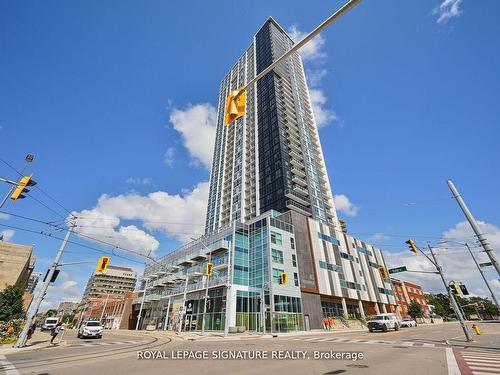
(384, 309)
(361, 310)
(344, 308)
(377, 309)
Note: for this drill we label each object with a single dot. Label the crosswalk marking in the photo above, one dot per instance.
(363, 341)
(478, 362)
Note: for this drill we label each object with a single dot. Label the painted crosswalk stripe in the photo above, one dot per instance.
(118, 343)
(491, 363)
(488, 372)
(426, 345)
(407, 343)
(104, 343)
(480, 359)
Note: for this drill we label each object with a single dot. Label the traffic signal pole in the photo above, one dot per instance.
(453, 301)
(495, 301)
(475, 227)
(33, 310)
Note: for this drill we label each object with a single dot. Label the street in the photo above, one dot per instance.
(422, 349)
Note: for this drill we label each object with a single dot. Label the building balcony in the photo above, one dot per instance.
(299, 181)
(298, 172)
(297, 162)
(294, 146)
(299, 198)
(290, 204)
(301, 190)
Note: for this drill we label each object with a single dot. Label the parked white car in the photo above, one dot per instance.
(90, 328)
(384, 322)
(408, 322)
(49, 323)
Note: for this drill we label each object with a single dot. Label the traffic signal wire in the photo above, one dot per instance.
(79, 233)
(112, 253)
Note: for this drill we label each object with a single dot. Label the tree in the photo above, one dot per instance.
(441, 303)
(415, 310)
(51, 312)
(11, 303)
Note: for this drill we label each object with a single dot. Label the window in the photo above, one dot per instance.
(276, 238)
(296, 279)
(294, 260)
(277, 256)
(277, 275)
(292, 243)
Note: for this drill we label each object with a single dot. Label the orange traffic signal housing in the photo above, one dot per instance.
(235, 106)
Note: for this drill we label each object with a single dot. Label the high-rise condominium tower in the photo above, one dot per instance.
(271, 158)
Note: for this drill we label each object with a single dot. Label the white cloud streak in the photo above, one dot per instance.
(344, 205)
(446, 10)
(7, 234)
(196, 124)
(179, 216)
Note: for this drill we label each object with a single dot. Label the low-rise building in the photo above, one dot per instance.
(405, 292)
(275, 273)
(16, 264)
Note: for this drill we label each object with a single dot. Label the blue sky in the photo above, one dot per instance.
(116, 100)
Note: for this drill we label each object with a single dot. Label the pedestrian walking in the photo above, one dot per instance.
(31, 330)
(330, 323)
(54, 331)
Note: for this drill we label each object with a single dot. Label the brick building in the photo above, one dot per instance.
(405, 292)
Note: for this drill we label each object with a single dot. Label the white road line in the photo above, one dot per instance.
(119, 343)
(327, 339)
(487, 356)
(104, 343)
(480, 359)
(452, 363)
(426, 345)
(489, 372)
(372, 341)
(407, 343)
(8, 367)
(492, 365)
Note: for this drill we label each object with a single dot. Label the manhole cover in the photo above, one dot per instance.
(357, 366)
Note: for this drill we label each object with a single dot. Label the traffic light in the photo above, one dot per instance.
(209, 269)
(383, 273)
(21, 188)
(464, 290)
(235, 106)
(412, 246)
(455, 288)
(283, 278)
(103, 264)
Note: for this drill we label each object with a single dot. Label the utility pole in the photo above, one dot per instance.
(495, 301)
(36, 305)
(104, 308)
(475, 227)
(142, 303)
(454, 303)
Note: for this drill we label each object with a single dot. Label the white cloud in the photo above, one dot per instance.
(4, 216)
(446, 10)
(178, 216)
(196, 124)
(168, 158)
(139, 181)
(344, 205)
(378, 237)
(64, 289)
(311, 50)
(7, 234)
(322, 115)
(456, 261)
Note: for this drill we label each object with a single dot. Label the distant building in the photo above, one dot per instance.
(16, 264)
(115, 281)
(405, 292)
(32, 282)
(114, 311)
(67, 307)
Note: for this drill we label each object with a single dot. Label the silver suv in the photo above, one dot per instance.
(384, 322)
(90, 328)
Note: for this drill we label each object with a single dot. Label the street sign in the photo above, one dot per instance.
(397, 269)
(485, 264)
(54, 276)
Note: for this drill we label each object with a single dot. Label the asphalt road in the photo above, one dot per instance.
(410, 351)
